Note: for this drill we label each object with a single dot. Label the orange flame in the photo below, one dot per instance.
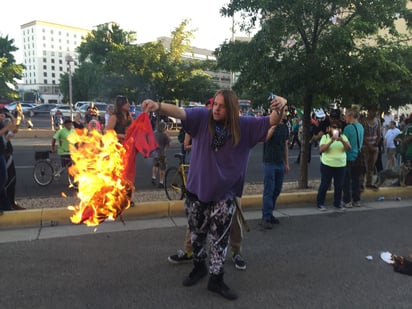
(98, 168)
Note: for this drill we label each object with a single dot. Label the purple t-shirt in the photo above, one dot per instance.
(218, 175)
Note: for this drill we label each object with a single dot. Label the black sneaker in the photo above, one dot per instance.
(180, 258)
(154, 181)
(240, 263)
(161, 186)
(273, 220)
(267, 225)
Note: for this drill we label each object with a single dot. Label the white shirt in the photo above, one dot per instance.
(390, 137)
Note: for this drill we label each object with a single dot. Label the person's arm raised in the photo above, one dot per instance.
(277, 105)
(164, 109)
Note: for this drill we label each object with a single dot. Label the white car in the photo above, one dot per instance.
(65, 109)
(25, 106)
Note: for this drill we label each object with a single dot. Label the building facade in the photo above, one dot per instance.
(46, 48)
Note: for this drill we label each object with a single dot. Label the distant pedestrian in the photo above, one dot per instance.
(159, 161)
(389, 143)
(351, 186)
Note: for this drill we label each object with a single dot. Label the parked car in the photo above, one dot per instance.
(41, 109)
(65, 109)
(24, 105)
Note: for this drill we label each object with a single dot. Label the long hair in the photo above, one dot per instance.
(121, 118)
(231, 123)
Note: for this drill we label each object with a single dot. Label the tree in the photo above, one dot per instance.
(110, 64)
(317, 51)
(10, 72)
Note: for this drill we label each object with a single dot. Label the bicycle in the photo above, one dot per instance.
(175, 179)
(46, 169)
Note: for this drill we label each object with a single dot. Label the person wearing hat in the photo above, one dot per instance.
(63, 146)
(121, 118)
(222, 141)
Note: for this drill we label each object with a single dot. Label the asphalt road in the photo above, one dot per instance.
(316, 261)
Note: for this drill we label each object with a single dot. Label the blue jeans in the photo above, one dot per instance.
(351, 183)
(272, 186)
(4, 201)
(326, 175)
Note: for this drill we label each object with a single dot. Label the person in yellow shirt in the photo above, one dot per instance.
(332, 146)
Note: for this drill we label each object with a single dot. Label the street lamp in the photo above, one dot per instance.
(69, 60)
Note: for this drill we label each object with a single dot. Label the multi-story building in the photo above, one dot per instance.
(47, 47)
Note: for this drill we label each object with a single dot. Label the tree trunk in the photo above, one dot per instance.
(304, 155)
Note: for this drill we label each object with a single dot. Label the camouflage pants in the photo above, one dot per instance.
(209, 222)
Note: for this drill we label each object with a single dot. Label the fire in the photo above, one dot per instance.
(99, 166)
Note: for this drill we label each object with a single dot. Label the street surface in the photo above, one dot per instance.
(307, 261)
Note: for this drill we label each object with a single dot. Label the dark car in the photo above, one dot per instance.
(42, 109)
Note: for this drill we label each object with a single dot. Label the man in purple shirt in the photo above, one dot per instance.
(221, 143)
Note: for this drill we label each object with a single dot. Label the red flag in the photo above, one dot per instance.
(139, 138)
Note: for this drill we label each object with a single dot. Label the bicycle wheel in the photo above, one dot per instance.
(174, 186)
(43, 173)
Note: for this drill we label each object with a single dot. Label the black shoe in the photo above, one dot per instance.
(273, 220)
(216, 284)
(267, 225)
(153, 181)
(161, 186)
(198, 272)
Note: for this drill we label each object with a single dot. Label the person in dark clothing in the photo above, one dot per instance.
(275, 166)
(121, 119)
(6, 126)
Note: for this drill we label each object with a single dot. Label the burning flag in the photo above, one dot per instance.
(104, 170)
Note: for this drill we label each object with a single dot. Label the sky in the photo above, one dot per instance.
(150, 19)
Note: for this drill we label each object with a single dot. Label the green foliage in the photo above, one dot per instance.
(111, 65)
(10, 72)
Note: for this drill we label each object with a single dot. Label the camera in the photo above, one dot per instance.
(335, 133)
(271, 96)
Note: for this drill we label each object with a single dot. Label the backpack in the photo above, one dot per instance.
(181, 136)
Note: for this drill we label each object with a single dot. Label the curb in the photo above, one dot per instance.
(161, 209)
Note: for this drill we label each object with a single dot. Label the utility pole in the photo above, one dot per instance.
(69, 60)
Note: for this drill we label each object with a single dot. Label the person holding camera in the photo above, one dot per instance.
(332, 147)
